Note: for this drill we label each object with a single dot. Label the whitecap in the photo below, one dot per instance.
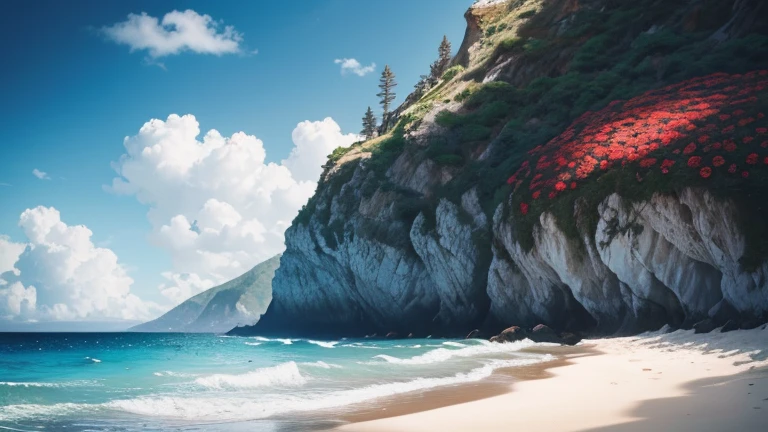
(323, 365)
(284, 341)
(442, 354)
(253, 343)
(454, 344)
(323, 344)
(284, 374)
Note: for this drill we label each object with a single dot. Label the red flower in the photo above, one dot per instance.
(511, 180)
(718, 161)
(764, 144)
(690, 148)
(745, 174)
(705, 172)
(703, 139)
(667, 163)
(603, 165)
(765, 161)
(536, 195)
(747, 139)
(676, 151)
(665, 170)
(694, 161)
(573, 184)
(524, 208)
(552, 195)
(560, 186)
(647, 163)
(752, 158)
(717, 146)
(730, 146)
(761, 130)
(732, 169)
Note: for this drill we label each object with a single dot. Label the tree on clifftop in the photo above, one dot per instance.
(386, 84)
(444, 60)
(369, 124)
(439, 66)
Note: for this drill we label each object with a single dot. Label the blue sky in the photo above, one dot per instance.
(70, 96)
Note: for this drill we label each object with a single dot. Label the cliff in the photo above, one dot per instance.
(593, 165)
(240, 301)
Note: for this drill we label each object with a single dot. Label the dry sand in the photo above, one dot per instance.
(654, 382)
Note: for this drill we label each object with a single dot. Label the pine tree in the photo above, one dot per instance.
(445, 57)
(369, 124)
(386, 84)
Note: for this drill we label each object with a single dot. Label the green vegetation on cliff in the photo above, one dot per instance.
(551, 62)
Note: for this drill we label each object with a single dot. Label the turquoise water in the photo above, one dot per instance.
(136, 381)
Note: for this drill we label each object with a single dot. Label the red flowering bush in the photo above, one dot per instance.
(717, 116)
(524, 208)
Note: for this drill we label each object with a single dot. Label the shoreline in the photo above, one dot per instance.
(675, 381)
(499, 383)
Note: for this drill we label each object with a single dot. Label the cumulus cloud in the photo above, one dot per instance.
(176, 32)
(215, 204)
(9, 254)
(59, 274)
(42, 175)
(350, 65)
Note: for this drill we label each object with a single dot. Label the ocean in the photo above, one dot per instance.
(185, 382)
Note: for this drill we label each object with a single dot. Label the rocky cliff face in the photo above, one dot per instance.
(411, 233)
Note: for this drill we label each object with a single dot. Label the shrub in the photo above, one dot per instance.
(510, 44)
(452, 72)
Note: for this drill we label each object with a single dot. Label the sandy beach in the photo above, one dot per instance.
(675, 381)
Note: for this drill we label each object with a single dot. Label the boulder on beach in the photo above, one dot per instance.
(704, 326)
(543, 333)
(731, 325)
(510, 334)
(569, 339)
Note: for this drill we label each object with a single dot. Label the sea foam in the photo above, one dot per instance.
(442, 354)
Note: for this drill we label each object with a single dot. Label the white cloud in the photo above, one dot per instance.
(177, 32)
(215, 204)
(350, 65)
(61, 275)
(42, 175)
(313, 142)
